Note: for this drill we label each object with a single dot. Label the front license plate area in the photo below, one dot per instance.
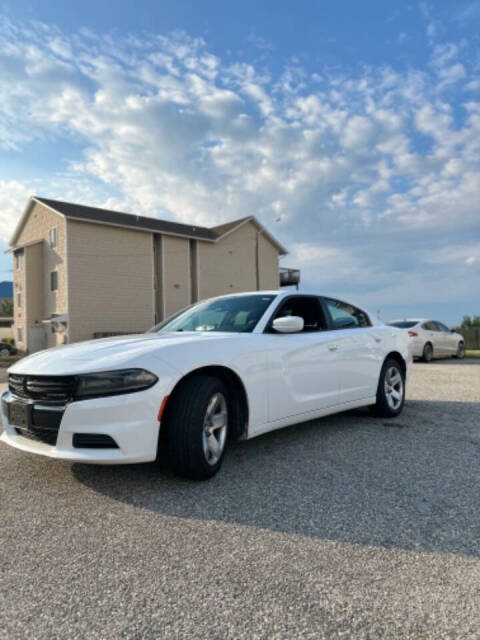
(19, 415)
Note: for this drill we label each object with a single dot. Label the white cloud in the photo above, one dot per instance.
(161, 126)
(13, 197)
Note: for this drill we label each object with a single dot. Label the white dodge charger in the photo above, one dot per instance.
(230, 367)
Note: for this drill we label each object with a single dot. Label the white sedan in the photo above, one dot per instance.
(431, 339)
(230, 367)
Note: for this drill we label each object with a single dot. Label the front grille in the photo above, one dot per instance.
(47, 389)
(44, 426)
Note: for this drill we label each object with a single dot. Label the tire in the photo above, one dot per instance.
(192, 452)
(460, 355)
(4, 351)
(391, 379)
(427, 354)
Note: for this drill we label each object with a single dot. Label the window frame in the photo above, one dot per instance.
(20, 334)
(18, 260)
(52, 289)
(332, 321)
(19, 299)
(269, 328)
(53, 243)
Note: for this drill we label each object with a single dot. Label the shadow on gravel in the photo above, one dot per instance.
(466, 361)
(410, 483)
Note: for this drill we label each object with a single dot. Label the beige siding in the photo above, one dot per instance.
(268, 263)
(37, 266)
(35, 293)
(19, 319)
(229, 266)
(110, 275)
(176, 273)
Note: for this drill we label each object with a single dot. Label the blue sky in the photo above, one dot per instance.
(352, 130)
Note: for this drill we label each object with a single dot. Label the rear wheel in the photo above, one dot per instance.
(197, 423)
(460, 351)
(390, 391)
(427, 352)
(4, 351)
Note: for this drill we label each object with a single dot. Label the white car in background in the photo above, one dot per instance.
(234, 366)
(431, 339)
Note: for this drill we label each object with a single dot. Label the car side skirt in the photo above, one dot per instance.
(309, 415)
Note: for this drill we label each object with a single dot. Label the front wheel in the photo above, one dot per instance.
(390, 391)
(197, 423)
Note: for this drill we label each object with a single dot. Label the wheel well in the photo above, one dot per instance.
(394, 355)
(237, 396)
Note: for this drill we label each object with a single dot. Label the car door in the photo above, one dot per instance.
(449, 340)
(303, 367)
(360, 351)
(431, 334)
(440, 344)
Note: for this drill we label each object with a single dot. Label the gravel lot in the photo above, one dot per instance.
(348, 527)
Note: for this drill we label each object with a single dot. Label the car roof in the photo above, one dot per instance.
(417, 320)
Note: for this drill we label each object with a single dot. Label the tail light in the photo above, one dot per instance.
(413, 334)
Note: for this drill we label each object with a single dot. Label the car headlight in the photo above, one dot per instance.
(110, 383)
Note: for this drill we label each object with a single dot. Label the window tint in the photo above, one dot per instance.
(442, 327)
(306, 307)
(239, 314)
(406, 324)
(430, 326)
(346, 316)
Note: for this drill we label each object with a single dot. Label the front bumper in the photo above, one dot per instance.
(130, 420)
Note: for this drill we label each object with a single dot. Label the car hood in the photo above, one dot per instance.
(109, 353)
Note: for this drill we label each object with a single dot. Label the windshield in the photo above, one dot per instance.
(238, 314)
(406, 324)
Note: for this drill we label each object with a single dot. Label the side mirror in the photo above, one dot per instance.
(453, 331)
(288, 324)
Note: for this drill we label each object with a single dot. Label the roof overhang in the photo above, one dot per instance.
(24, 245)
(261, 229)
(26, 212)
(33, 200)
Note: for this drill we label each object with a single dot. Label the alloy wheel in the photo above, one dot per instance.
(394, 388)
(215, 424)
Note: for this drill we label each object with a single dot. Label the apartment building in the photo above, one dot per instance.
(80, 272)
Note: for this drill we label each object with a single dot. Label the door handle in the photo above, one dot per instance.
(377, 339)
(333, 347)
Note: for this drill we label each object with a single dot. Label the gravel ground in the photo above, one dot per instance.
(348, 527)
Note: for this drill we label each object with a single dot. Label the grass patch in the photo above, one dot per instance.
(472, 353)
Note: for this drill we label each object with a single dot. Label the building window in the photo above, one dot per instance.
(19, 300)
(53, 280)
(20, 335)
(53, 237)
(18, 260)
